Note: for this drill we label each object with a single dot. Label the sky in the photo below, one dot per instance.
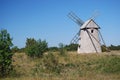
(48, 20)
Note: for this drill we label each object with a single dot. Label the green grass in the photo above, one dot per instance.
(71, 66)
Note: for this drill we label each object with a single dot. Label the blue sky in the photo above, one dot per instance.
(47, 19)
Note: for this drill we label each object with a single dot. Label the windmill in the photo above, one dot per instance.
(88, 37)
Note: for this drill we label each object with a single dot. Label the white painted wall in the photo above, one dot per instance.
(86, 45)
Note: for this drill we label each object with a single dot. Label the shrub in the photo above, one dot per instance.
(15, 49)
(53, 49)
(112, 47)
(35, 48)
(71, 47)
(49, 65)
(5, 53)
(105, 48)
(62, 49)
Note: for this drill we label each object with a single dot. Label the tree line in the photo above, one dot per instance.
(70, 47)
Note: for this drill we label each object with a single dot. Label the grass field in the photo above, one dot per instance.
(71, 66)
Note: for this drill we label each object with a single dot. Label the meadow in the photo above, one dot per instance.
(70, 66)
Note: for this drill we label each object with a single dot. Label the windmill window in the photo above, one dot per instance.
(92, 31)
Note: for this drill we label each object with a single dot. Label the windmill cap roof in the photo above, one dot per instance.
(90, 24)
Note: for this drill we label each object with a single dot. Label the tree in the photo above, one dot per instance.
(54, 49)
(71, 47)
(5, 53)
(30, 45)
(35, 48)
(113, 47)
(15, 49)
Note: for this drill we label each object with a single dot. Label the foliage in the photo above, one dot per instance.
(53, 49)
(104, 48)
(71, 47)
(35, 48)
(109, 65)
(5, 53)
(62, 49)
(112, 47)
(73, 66)
(49, 64)
(21, 50)
(15, 49)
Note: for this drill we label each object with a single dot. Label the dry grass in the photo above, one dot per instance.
(87, 77)
(24, 65)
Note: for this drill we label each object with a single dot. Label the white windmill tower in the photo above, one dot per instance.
(88, 37)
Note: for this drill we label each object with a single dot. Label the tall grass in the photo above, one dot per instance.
(72, 66)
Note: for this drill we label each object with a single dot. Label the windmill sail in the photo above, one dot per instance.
(75, 39)
(75, 18)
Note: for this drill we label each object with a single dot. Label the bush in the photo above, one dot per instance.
(54, 49)
(71, 47)
(112, 47)
(49, 65)
(35, 48)
(15, 49)
(5, 53)
(105, 49)
(62, 49)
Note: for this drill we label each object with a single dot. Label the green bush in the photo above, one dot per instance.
(113, 47)
(5, 53)
(35, 48)
(71, 47)
(15, 49)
